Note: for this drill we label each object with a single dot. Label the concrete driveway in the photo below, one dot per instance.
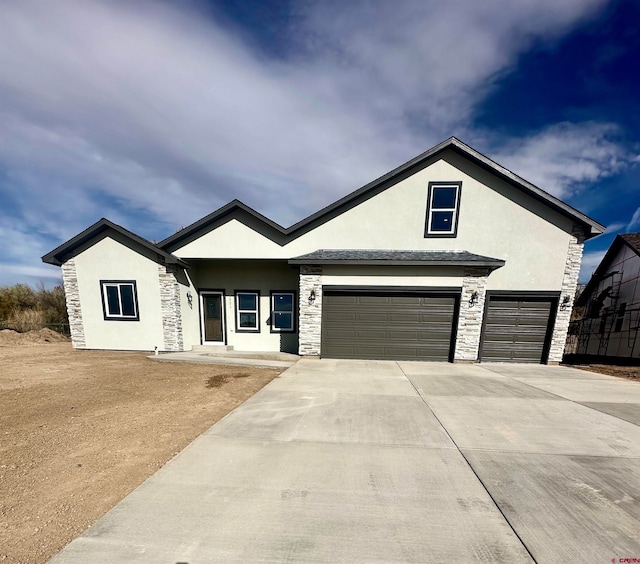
(353, 461)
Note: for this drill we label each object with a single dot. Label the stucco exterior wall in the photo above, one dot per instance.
(495, 220)
(262, 276)
(109, 259)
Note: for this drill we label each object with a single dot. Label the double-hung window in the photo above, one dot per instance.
(119, 300)
(443, 207)
(282, 312)
(247, 311)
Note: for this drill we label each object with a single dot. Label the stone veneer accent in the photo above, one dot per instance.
(470, 318)
(170, 307)
(74, 310)
(569, 285)
(310, 320)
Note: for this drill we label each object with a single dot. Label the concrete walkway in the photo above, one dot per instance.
(350, 461)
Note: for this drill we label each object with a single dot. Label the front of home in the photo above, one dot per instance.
(448, 257)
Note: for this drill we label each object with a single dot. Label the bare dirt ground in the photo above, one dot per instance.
(79, 430)
(629, 372)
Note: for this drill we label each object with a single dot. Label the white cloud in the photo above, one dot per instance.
(565, 157)
(635, 221)
(121, 108)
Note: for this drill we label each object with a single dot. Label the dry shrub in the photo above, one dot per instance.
(25, 320)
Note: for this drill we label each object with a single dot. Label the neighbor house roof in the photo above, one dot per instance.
(396, 258)
(631, 240)
(62, 253)
(281, 235)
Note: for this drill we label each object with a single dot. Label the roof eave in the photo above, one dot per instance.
(381, 262)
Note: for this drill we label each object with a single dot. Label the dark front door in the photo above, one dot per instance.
(212, 318)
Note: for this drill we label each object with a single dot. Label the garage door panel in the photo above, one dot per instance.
(378, 325)
(516, 330)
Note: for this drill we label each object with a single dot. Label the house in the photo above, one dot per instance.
(610, 303)
(448, 257)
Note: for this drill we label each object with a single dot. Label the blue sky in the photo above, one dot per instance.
(154, 113)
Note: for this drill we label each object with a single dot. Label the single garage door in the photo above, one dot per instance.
(390, 326)
(517, 329)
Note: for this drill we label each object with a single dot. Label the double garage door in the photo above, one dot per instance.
(391, 326)
(422, 325)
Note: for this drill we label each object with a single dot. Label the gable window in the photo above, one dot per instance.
(247, 312)
(282, 312)
(443, 205)
(119, 300)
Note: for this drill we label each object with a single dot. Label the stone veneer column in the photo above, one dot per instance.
(170, 307)
(569, 285)
(310, 314)
(74, 310)
(470, 318)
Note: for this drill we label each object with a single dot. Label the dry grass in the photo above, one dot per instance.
(82, 429)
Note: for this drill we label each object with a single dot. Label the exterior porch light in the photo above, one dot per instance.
(473, 300)
(312, 296)
(565, 303)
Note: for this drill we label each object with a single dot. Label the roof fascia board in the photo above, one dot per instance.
(282, 236)
(59, 254)
(233, 210)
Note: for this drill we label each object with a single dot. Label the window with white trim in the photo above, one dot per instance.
(119, 300)
(247, 311)
(282, 312)
(443, 206)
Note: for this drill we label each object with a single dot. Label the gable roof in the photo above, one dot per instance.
(236, 209)
(64, 251)
(631, 240)
(397, 258)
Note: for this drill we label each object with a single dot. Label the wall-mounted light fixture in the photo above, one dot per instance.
(190, 299)
(312, 296)
(473, 300)
(565, 303)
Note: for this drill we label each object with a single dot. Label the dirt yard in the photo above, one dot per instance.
(79, 430)
(629, 372)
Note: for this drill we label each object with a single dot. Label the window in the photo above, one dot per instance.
(119, 300)
(247, 311)
(282, 312)
(443, 205)
(620, 319)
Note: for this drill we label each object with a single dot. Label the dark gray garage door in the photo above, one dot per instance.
(397, 326)
(517, 329)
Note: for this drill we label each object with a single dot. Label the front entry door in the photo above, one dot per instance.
(212, 317)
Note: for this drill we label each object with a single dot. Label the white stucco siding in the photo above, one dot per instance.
(495, 220)
(262, 276)
(232, 240)
(428, 277)
(108, 259)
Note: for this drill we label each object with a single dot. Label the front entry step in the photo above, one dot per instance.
(212, 349)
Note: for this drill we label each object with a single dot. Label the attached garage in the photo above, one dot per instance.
(389, 325)
(517, 327)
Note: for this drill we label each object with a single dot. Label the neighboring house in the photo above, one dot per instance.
(448, 257)
(608, 328)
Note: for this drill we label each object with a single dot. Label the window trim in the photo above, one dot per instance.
(456, 209)
(104, 284)
(240, 329)
(293, 295)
